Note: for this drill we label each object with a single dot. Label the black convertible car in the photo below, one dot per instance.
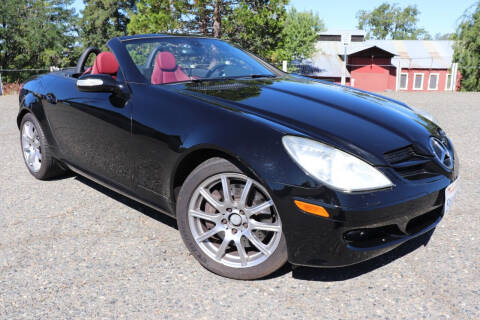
(257, 166)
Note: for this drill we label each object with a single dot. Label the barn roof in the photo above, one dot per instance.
(421, 54)
(369, 49)
(413, 54)
(355, 32)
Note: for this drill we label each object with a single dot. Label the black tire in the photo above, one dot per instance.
(204, 171)
(49, 168)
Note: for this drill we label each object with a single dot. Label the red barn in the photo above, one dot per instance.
(384, 65)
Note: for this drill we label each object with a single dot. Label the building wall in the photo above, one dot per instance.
(372, 74)
(442, 73)
(373, 78)
(378, 78)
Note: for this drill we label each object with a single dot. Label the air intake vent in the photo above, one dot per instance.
(399, 155)
(214, 87)
(411, 165)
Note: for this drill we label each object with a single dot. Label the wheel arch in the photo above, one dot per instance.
(195, 157)
(22, 114)
(30, 103)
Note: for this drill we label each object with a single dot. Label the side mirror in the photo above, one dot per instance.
(98, 83)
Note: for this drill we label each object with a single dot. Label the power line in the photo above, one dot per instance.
(20, 70)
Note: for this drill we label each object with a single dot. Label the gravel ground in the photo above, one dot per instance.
(72, 249)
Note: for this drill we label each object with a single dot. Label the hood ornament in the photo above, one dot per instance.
(441, 153)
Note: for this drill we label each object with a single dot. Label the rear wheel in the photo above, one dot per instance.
(229, 222)
(36, 150)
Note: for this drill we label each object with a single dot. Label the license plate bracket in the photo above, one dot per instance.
(450, 195)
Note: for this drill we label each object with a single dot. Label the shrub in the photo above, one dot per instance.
(11, 88)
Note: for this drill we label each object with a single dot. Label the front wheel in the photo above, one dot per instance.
(229, 222)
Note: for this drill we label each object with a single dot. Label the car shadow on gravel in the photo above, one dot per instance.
(345, 273)
(146, 210)
(301, 273)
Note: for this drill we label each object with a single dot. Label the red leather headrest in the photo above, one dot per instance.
(166, 60)
(105, 63)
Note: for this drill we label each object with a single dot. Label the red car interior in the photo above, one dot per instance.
(105, 63)
(166, 69)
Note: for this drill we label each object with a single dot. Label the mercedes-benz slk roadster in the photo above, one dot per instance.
(258, 167)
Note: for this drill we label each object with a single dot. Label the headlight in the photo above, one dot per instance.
(334, 167)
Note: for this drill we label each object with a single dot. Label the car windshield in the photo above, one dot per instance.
(180, 59)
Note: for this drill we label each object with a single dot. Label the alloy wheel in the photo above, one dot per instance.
(234, 221)
(31, 147)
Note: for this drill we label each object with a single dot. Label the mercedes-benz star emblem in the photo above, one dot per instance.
(441, 153)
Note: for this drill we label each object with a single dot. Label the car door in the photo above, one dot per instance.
(157, 140)
(93, 132)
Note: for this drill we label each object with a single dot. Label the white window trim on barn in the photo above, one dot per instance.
(430, 79)
(406, 82)
(414, 77)
(448, 87)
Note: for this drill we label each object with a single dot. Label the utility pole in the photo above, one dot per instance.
(398, 76)
(454, 76)
(346, 39)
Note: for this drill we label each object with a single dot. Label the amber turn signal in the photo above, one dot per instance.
(312, 208)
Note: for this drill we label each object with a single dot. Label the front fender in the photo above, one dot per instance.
(31, 98)
(253, 142)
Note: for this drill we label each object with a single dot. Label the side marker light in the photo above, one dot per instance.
(312, 208)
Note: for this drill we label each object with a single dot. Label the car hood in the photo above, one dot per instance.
(359, 122)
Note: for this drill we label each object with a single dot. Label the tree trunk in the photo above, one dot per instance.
(217, 19)
(202, 17)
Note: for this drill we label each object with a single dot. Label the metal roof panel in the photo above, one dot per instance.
(418, 54)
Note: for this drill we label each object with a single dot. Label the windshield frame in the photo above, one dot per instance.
(142, 39)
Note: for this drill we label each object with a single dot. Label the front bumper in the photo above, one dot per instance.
(362, 227)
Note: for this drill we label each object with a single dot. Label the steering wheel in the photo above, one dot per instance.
(83, 58)
(214, 69)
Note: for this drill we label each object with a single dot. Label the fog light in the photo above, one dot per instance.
(312, 208)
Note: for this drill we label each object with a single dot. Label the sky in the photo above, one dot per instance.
(437, 16)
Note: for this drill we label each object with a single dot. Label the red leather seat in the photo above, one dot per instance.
(105, 63)
(166, 69)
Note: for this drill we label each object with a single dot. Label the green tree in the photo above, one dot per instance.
(389, 21)
(208, 15)
(218, 8)
(445, 36)
(260, 26)
(104, 19)
(35, 34)
(153, 16)
(185, 16)
(300, 35)
(257, 26)
(467, 50)
(201, 12)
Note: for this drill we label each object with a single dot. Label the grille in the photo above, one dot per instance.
(411, 165)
